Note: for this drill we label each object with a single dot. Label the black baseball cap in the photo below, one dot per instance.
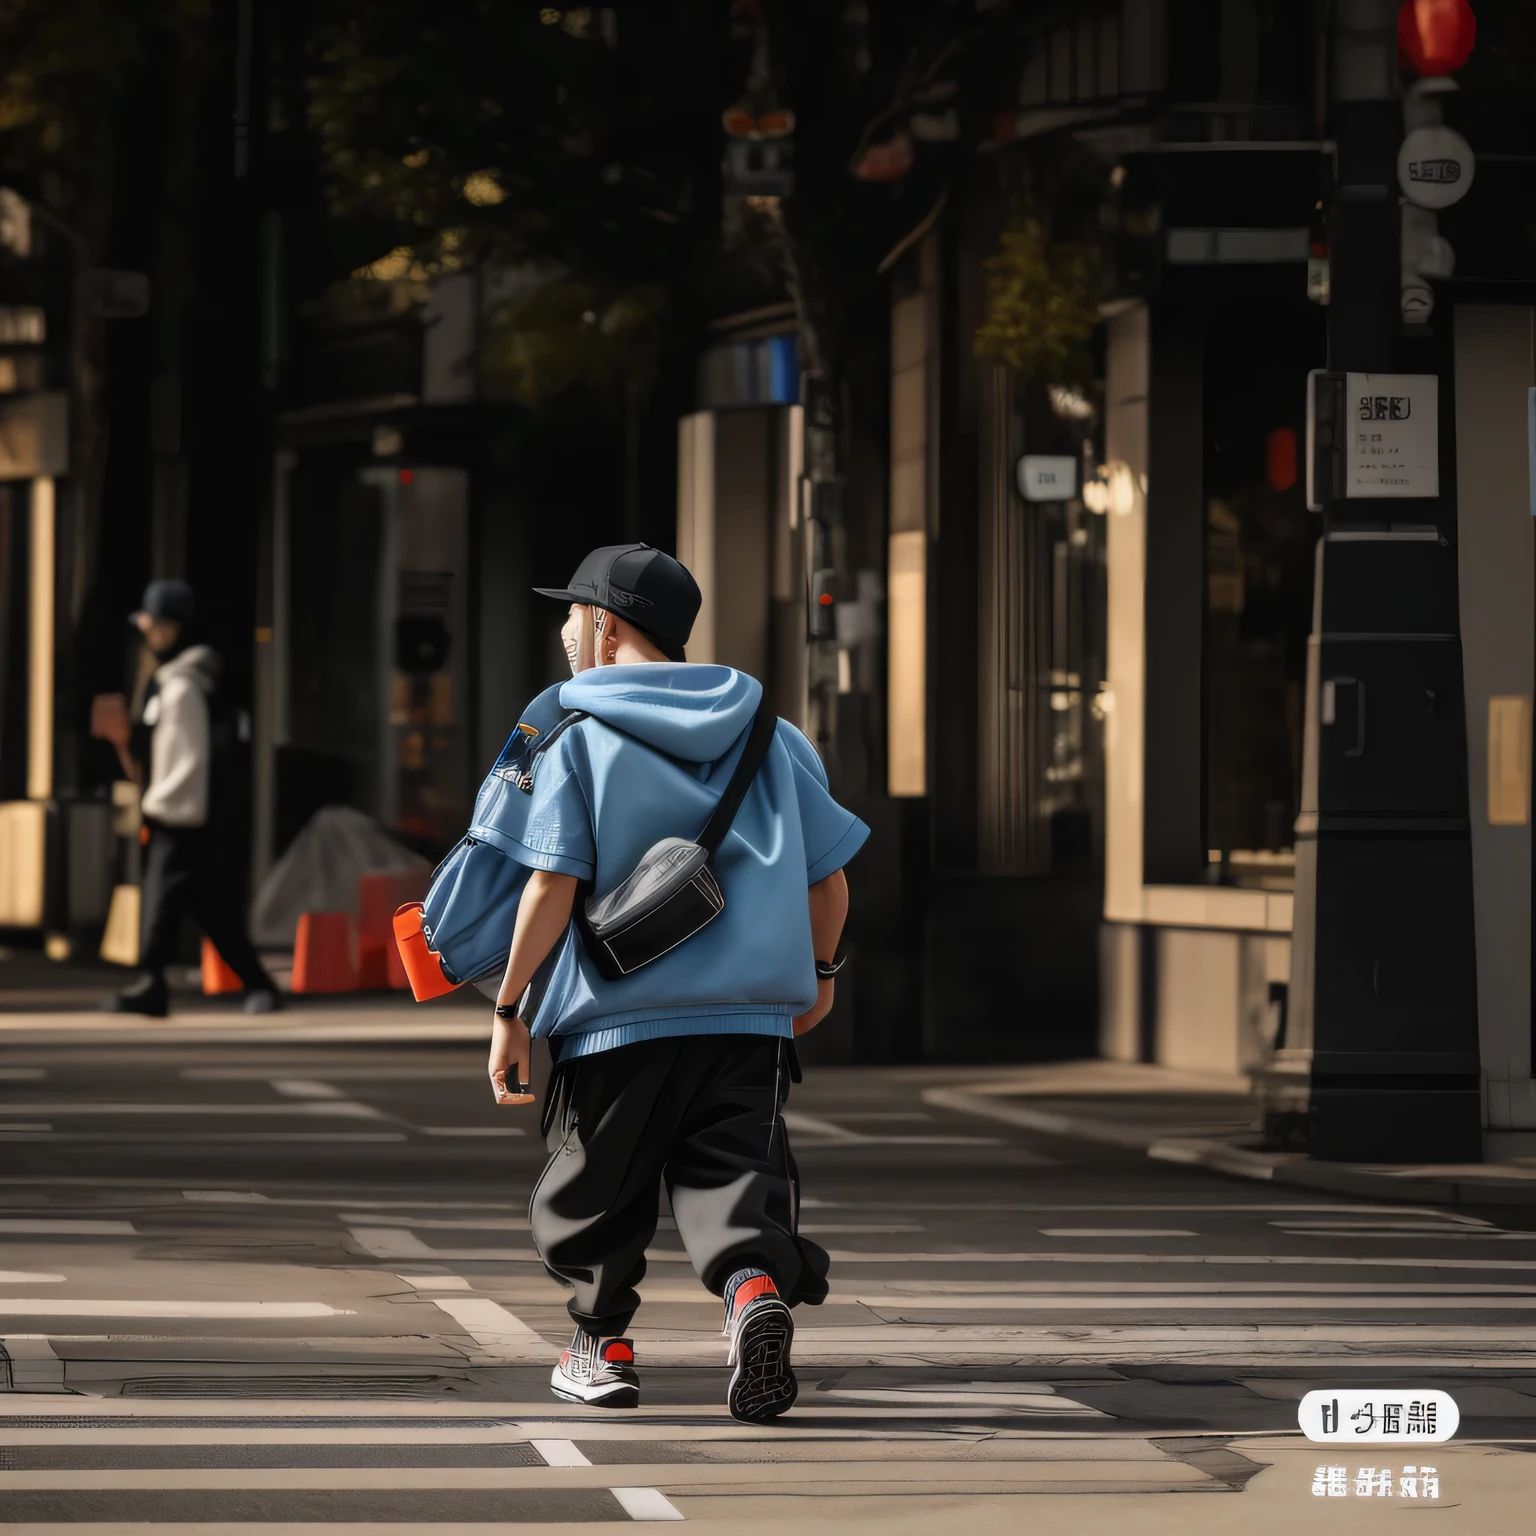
(165, 600)
(643, 586)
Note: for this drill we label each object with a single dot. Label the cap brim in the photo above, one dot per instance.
(561, 595)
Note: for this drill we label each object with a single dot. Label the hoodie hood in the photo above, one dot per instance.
(692, 712)
(198, 663)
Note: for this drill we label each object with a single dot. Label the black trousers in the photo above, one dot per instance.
(700, 1112)
(185, 874)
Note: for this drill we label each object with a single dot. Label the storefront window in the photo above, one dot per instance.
(1260, 542)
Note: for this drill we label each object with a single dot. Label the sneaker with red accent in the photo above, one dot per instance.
(599, 1372)
(761, 1331)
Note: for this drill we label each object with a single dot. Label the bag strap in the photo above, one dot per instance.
(764, 724)
(525, 782)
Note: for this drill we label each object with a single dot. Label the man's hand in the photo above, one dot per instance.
(109, 719)
(510, 1055)
(819, 1009)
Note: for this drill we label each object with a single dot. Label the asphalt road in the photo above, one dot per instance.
(294, 1285)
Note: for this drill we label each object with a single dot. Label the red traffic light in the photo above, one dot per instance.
(1435, 37)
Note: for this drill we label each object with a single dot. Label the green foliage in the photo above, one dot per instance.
(570, 333)
(64, 67)
(505, 140)
(1041, 312)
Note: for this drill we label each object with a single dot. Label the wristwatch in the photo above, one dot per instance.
(827, 969)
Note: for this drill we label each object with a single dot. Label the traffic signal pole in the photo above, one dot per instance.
(1395, 1072)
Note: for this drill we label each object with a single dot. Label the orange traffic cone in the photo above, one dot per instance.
(378, 898)
(322, 953)
(217, 977)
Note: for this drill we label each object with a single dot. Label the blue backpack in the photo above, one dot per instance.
(463, 931)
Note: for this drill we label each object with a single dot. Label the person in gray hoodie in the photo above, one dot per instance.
(169, 751)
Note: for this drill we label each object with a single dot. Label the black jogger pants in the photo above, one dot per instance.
(700, 1112)
(186, 873)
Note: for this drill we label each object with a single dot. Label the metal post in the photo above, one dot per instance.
(1395, 1073)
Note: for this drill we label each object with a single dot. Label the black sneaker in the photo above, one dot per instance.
(262, 1000)
(761, 1331)
(150, 998)
(599, 1372)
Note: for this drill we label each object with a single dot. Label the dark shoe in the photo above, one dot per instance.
(598, 1372)
(761, 1331)
(149, 998)
(263, 1000)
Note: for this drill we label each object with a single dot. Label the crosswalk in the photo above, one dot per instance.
(217, 1342)
(452, 1464)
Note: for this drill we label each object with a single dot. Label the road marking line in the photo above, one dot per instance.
(471, 1130)
(41, 1226)
(22, 1074)
(646, 1504)
(390, 1243)
(489, 1323)
(192, 1138)
(1134, 1301)
(883, 1114)
(1303, 1261)
(1433, 1232)
(31, 1365)
(560, 1453)
(813, 1125)
(225, 1196)
(345, 1109)
(450, 1223)
(470, 1072)
(23, 1125)
(435, 1282)
(364, 1205)
(1041, 1399)
(306, 1088)
(26, 1277)
(1187, 1287)
(1116, 1232)
(64, 1306)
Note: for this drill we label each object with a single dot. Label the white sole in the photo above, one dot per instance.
(611, 1394)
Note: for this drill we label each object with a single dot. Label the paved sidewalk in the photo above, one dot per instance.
(42, 1003)
(1207, 1122)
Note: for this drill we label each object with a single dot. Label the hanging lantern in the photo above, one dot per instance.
(1435, 37)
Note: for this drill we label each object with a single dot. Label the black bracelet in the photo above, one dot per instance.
(827, 969)
(506, 1010)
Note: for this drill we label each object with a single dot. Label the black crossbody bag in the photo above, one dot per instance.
(672, 892)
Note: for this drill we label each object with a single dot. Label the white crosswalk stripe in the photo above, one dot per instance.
(969, 1348)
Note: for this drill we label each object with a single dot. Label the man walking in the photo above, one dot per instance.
(675, 1072)
(170, 751)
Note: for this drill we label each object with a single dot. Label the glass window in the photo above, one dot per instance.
(1260, 542)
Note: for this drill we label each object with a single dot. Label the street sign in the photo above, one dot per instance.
(1047, 478)
(1392, 446)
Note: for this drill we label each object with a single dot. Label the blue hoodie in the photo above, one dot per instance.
(601, 797)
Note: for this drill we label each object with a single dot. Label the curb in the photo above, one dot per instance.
(1217, 1156)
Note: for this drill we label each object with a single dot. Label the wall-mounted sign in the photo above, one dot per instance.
(1435, 166)
(1392, 434)
(1046, 478)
